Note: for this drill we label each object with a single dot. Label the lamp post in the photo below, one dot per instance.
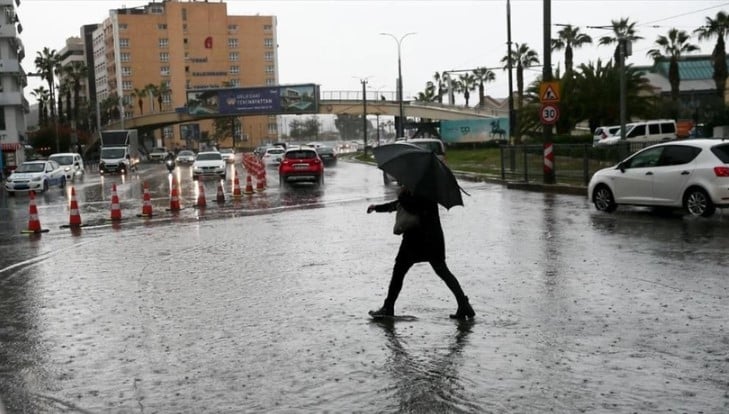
(400, 126)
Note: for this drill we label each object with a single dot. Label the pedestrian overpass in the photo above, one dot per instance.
(335, 103)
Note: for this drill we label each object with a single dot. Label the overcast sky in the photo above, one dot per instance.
(337, 43)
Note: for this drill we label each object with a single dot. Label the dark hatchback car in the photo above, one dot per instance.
(327, 155)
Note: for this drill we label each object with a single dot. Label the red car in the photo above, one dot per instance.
(301, 165)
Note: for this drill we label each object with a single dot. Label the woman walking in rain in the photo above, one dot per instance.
(423, 243)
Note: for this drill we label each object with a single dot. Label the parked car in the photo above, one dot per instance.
(605, 135)
(429, 144)
(301, 164)
(158, 154)
(185, 157)
(72, 164)
(36, 176)
(208, 164)
(327, 155)
(272, 156)
(228, 155)
(689, 174)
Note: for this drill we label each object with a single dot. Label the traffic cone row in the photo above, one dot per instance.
(74, 219)
(116, 214)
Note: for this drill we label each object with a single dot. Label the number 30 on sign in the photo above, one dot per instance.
(549, 113)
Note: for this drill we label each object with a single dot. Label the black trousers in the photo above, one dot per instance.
(439, 266)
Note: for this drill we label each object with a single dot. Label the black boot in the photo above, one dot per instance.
(385, 310)
(465, 311)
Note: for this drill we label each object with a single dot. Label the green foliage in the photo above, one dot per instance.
(351, 126)
(308, 128)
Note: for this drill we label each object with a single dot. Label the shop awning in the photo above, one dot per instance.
(10, 146)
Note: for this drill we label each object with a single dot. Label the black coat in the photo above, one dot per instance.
(426, 242)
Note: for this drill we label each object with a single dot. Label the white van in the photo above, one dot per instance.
(651, 130)
(72, 164)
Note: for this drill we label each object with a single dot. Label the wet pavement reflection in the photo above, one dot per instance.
(260, 305)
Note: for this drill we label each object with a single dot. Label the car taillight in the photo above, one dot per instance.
(722, 171)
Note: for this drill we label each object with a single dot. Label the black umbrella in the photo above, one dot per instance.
(421, 171)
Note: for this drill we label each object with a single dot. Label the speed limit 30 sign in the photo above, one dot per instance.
(549, 113)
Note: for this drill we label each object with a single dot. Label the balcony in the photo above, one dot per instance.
(11, 99)
(8, 31)
(9, 66)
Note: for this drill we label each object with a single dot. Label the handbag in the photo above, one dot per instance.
(405, 221)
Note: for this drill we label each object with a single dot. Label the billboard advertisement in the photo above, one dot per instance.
(475, 130)
(265, 100)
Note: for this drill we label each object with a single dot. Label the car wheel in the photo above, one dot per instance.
(11, 193)
(697, 203)
(320, 180)
(603, 199)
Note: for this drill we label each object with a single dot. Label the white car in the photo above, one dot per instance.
(72, 164)
(691, 174)
(273, 156)
(228, 155)
(605, 135)
(35, 176)
(158, 154)
(208, 164)
(185, 157)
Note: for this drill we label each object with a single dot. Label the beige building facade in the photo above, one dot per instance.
(148, 57)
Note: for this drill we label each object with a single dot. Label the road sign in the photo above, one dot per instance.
(549, 92)
(549, 113)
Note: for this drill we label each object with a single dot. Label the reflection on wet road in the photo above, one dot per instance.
(263, 307)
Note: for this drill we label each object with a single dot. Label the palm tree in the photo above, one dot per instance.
(42, 96)
(440, 80)
(428, 95)
(140, 94)
(451, 85)
(466, 83)
(75, 72)
(718, 27)
(162, 91)
(152, 93)
(569, 38)
(46, 62)
(673, 46)
(622, 30)
(483, 75)
(522, 57)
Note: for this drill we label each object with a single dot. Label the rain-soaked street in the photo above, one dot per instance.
(260, 304)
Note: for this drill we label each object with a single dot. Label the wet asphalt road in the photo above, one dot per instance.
(260, 305)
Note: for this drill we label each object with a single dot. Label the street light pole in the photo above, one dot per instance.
(400, 125)
(364, 113)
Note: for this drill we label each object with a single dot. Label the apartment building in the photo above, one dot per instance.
(147, 57)
(13, 105)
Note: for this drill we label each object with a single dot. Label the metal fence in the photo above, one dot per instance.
(573, 163)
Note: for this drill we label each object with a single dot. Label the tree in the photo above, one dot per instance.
(622, 30)
(152, 92)
(428, 95)
(483, 75)
(46, 62)
(306, 129)
(440, 82)
(74, 73)
(717, 27)
(350, 126)
(569, 38)
(522, 57)
(675, 44)
(140, 94)
(466, 83)
(161, 92)
(42, 96)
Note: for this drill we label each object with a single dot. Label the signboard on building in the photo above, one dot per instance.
(268, 100)
(475, 130)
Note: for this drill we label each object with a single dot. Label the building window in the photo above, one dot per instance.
(166, 99)
(268, 42)
(123, 26)
(127, 85)
(124, 57)
(232, 27)
(124, 43)
(163, 42)
(164, 71)
(234, 82)
(234, 70)
(156, 9)
(162, 26)
(167, 131)
(267, 27)
(164, 57)
(270, 82)
(184, 14)
(269, 69)
(126, 71)
(269, 56)
(232, 43)
(272, 128)
(233, 56)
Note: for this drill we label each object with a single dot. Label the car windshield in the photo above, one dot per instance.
(209, 156)
(112, 153)
(226, 151)
(31, 167)
(325, 150)
(186, 153)
(62, 159)
(275, 151)
(300, 154)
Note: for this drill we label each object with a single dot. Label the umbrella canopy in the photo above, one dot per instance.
(420, 171)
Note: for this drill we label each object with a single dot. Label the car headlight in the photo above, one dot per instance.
(38, 178)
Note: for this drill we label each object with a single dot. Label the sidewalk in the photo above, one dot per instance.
(521, 185)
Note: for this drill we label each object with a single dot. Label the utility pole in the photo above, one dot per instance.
(364, 113)
(512, 114)
(549, 177)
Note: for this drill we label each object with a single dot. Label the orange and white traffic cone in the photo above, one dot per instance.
(115, 208)
(260, 181)
(249, 184)
(201, 202)
(174, 196)
(34, 225)
(146, 202)
(74, 216)
(236, 186)
(220, 196)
